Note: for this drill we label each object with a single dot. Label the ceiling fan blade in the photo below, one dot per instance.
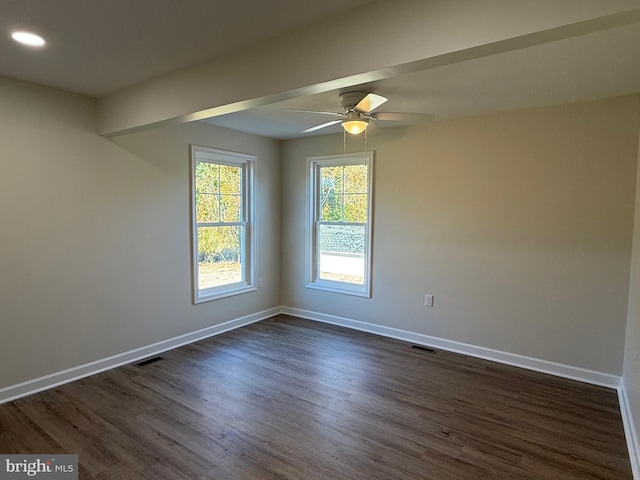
(323, 125)
(335, 114)
(403, 117)
(370, 103)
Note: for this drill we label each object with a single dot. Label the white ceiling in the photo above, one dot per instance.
(97, 47)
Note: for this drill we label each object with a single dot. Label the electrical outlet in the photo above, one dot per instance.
(260, 282)
(428, 300)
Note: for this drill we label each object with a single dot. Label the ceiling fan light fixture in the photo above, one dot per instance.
(355, 124)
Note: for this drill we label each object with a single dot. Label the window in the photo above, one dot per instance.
(222, 235)
(339, 234)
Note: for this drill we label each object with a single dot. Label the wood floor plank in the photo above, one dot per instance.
(288, 398)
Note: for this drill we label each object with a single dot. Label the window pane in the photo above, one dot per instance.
(355, 208)
(206, 177)
(331, 179)
(230, 208)
(207, 208)
(230, 179)
(219, 259)
(355, 179)
(331, 207)
(342, 252)
(331, 194)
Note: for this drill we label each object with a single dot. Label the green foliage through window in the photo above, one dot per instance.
(343, 193)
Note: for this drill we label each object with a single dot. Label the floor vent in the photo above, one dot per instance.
(147, 362)
(425, 349)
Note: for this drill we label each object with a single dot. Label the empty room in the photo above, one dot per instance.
(295, 239)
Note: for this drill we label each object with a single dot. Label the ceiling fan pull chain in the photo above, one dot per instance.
(344, 143)
(365, 139)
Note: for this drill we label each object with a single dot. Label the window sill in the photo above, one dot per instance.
(359, 291)
(229, 292)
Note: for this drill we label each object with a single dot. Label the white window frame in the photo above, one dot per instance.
(248, 245)
(313, 222)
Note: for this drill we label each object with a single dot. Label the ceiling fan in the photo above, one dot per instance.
(358, 110)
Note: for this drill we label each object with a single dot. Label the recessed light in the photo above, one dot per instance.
(29, 39)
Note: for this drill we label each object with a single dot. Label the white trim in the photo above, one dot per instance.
(30, 387)
(544, 366)
(629, 431)
(228, 291)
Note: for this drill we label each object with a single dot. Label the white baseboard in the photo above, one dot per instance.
(14, 392)
(544, 366)
(629, 431)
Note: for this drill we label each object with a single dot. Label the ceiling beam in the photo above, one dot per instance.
(383, 39)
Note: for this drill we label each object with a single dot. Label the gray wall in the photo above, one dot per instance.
(631, 375)
(519, 223)
(95, 234)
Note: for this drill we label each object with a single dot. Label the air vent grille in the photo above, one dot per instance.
(148, 361)
(425, 349)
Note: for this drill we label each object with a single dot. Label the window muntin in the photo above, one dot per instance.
(222, 230)
(340, 223)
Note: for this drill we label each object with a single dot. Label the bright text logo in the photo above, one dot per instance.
(50, 467)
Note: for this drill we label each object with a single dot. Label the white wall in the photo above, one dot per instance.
(95, 235)
(519, 223)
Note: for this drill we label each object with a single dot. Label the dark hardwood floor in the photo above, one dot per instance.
(293, 399)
